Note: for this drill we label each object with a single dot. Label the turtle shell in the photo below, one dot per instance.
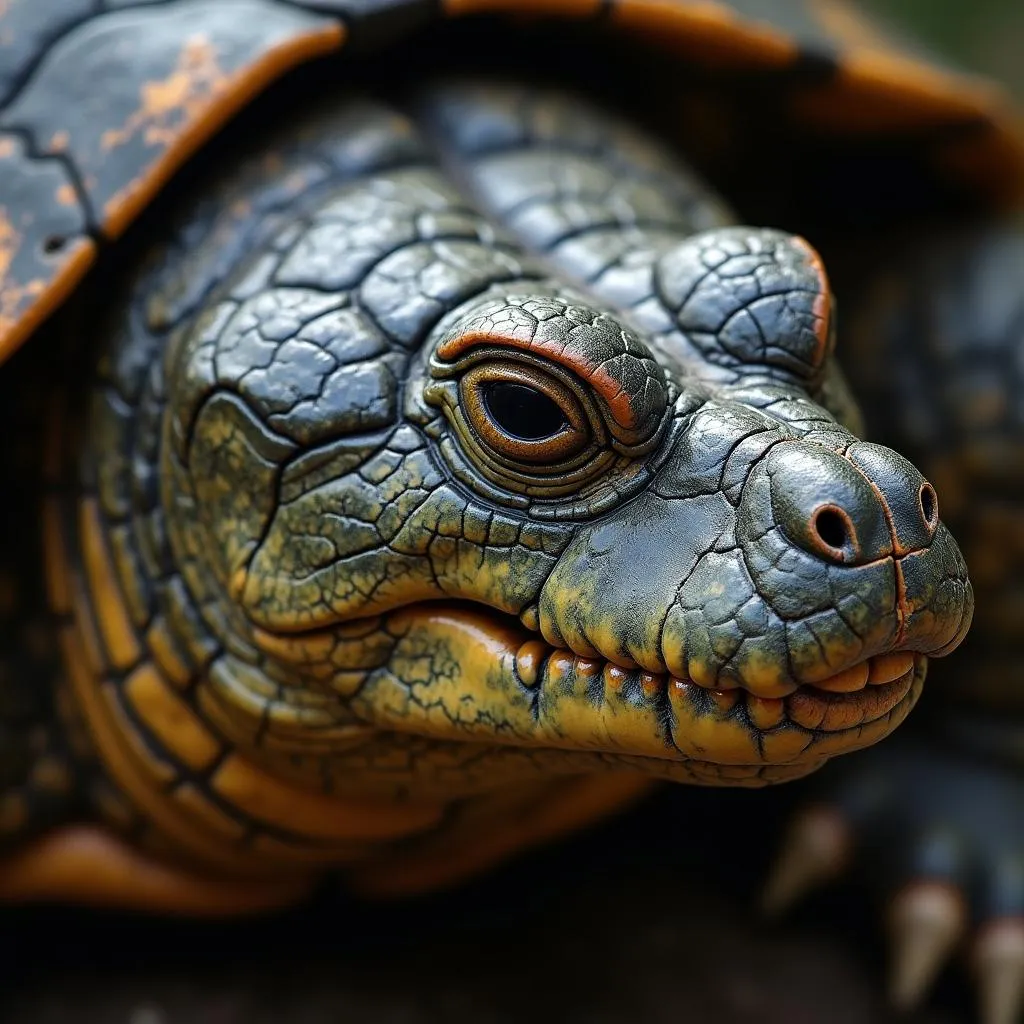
(102, 101)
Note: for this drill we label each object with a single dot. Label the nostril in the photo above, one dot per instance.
(929, 505)
(834, 529)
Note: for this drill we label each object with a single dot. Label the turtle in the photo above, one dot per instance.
(415, 453)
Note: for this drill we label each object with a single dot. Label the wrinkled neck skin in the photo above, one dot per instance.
(457, 487)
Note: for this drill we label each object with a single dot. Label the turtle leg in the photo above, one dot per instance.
(86, 864)
(934, 819)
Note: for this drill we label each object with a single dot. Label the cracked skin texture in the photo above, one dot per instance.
(406, 523)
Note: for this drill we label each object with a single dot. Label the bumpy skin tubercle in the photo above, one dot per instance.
(394, 508)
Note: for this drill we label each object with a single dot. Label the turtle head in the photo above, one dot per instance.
(549, 540)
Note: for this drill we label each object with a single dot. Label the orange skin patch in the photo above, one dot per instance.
(88, 865)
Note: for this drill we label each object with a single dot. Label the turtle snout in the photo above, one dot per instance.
(854, 508)
(825, 506)
(911, 504)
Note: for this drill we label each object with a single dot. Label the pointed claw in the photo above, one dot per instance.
(926, 920)
(999, 963)
(814, 852)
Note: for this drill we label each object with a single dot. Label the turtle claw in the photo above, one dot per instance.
(998, 962)
(940, 838)
(814, 852)
(926, 922)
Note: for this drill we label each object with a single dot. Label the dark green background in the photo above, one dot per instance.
(983, 35)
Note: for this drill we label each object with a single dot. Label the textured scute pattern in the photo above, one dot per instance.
(123, 92)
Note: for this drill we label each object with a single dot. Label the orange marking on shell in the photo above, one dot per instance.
(67, 196)
(603, 382)
(13, 295)
(165, 104)
(23, 307)
(59, 141)
(178, 113)
(6, 147)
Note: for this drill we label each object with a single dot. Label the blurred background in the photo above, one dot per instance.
(641, 921)
(987, 35)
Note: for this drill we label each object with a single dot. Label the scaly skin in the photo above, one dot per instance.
(319, 597)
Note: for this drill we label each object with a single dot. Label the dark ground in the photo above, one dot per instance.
(644, 920)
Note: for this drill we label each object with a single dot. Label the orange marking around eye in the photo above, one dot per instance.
(617, 400)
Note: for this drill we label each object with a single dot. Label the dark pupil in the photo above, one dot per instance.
(522, 412)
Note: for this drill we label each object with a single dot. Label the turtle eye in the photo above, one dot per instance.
(521, 411)
(521, 415)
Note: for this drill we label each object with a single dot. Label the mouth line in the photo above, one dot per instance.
(844, 701)
(497, 668)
